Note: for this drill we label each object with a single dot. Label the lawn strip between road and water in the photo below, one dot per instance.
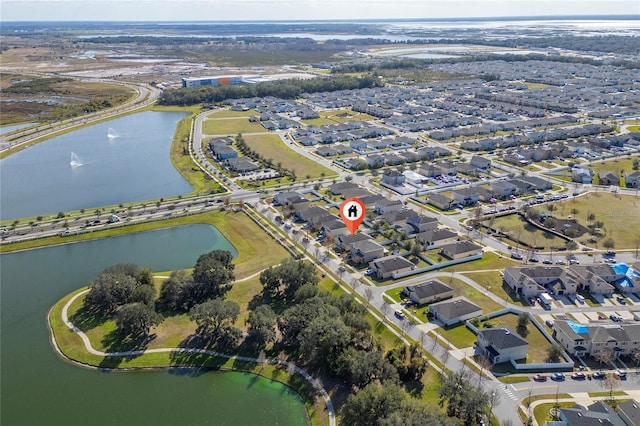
(256, 250)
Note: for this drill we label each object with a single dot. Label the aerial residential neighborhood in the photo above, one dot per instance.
(173, 201)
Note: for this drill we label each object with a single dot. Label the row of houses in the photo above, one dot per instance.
(625, 413)
(531, 281)
(499, 189)
(223, 152)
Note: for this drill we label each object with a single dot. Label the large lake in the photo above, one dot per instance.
(39, 388)
(119, 161)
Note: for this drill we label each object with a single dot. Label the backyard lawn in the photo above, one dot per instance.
(538, 344)
(489, 261)
(492, 281)
(461, 337)
(272, 146)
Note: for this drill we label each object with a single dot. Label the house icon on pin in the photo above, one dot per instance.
(352, 211)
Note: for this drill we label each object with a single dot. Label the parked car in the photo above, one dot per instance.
(533, 260)
(621, 300)
(399, 314)
(599, 375)
(368, 272)
(560, 262)
(557, 376)
(578, 376)
(547, 261)
(540, 378)
(549, 323)
(620, 374)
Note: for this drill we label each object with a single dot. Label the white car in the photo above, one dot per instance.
(368, 272)
(399, 314)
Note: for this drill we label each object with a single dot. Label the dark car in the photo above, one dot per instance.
(578, 376)
(533, 260)
(557, 376)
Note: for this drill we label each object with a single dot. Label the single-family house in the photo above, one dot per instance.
(334, 227)
(428, 292)
(632, 180)
(365, 251)
(503, 189)
(326, 151)
(339, 187)
(283, 198)
(386, 205)
(387, 267)
(455, 310)
(440, 201)
(581, 175)
(308, 213)
(501, 344)
(608, 178)
(343, 242)
(597, 414)
(460, 249)
(466, 196)
(436, 237)
(393, 178)
(422, 222)
(480, 162)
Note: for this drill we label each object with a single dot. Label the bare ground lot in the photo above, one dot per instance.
(36, 99)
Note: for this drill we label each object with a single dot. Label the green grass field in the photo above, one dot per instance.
(272, 146)
(519, 228)
(337, 116)
(620, 215)
(230, 126)
(227, 113)
(489, 261)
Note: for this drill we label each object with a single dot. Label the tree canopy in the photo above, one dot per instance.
(136, 319)
(212, 273)
(118, 285)
(389, 405)
(288, 277)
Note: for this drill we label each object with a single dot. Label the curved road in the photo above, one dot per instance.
(146, 95)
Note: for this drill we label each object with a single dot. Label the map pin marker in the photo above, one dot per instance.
(352, 212)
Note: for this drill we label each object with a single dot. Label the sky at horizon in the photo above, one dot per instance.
(247, 10)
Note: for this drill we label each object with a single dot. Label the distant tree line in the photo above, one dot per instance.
(285, 89)
(377, 67)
